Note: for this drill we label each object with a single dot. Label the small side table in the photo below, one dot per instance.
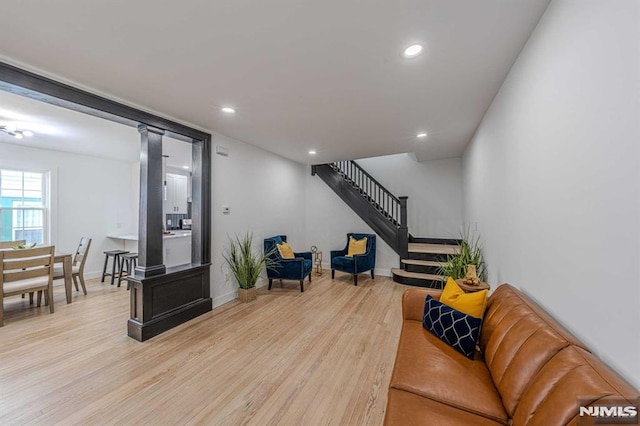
(317, 261)
(471, 288)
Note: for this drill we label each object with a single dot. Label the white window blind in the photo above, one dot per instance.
(23, 206)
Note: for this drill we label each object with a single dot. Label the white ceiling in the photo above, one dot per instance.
(60, 129)
(325, 75)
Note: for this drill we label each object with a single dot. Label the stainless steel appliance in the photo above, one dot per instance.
(185, 224)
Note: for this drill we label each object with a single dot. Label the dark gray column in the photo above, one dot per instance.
(150, 258)
(200, 206)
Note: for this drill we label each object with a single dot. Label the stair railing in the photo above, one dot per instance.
(392, 207)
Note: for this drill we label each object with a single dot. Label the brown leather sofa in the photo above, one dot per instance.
(529, 370)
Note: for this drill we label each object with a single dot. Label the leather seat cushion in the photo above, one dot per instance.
(428, 367)
(343, 261)
(405, 408)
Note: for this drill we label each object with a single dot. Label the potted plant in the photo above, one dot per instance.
(470, 253)
(246, 265)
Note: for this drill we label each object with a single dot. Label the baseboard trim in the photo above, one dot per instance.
(233, 295)
(380, 272)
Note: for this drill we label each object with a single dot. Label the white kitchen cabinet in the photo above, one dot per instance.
(177, 193)
(177, 249)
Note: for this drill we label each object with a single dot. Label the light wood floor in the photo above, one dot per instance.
(322, 357)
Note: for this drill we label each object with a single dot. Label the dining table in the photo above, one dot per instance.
(67, 269)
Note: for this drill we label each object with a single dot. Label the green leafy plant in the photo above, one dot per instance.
(246, 265)
(470, 254)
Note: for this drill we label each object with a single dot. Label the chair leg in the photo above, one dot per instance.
(121, 268)
(333, 273)
(75, 282)
(39, 299)
(104, 268)
(116, 261)
(372, 274)
(301, 286)
(50, 297)
(84, 287)
(355, 279)
(270, 283)
(31, 298)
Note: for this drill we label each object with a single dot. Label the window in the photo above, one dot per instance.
(23, 206)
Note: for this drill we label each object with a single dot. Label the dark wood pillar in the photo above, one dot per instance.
(150, 257)
(403, 231)
(201, 204)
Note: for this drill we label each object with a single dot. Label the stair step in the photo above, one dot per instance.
(433, 248)
(421, 262)
(432, 240)
(416, 275)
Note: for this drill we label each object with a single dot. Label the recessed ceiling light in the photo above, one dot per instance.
(185, 167)
(312, 152)
(421, 135)
(228, 110)
(28, 133)
(413, 51)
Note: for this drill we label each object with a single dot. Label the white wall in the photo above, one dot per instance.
(329, 219)
(266, 196)
(90, 197)
(552, 176)
(434, 188)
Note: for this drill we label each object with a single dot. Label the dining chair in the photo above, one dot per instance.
(77, 265)
(10, 244)
(27, 271)
(4, 245)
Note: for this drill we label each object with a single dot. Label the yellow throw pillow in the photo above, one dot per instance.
(356, 246)
(286, 252)
(468, 303)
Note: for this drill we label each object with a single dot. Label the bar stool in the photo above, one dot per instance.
(115, 254)
(130, 260)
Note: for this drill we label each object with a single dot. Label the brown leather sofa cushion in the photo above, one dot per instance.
(517, 339)
(552, 398)
(413, 302)
(428, 367)
(407, 409)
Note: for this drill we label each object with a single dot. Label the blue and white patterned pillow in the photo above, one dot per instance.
(453, 327)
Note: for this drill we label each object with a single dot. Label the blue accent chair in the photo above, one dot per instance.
(357, 264)
(287, 269)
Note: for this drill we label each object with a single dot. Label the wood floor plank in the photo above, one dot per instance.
(289, 358)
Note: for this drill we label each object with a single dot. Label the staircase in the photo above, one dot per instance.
(422, 265)
(386, 214)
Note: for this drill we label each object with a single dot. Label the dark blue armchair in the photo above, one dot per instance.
(358, 263)
(287, 269)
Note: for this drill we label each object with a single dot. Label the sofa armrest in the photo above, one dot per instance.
(413, 302)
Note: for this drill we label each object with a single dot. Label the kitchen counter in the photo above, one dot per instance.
(134, 237)
(176, 247)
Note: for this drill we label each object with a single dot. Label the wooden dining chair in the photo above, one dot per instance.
(10, 244)
(77, 268)
(4, 245)
(27, 271)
